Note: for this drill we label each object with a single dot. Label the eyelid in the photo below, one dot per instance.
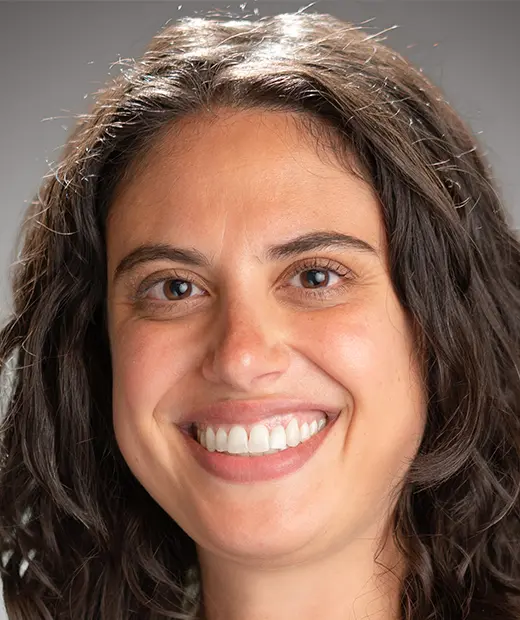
(148, 283)
(326, 264)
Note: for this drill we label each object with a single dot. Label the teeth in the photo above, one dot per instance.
(293, 433)
(237, 440)
(210, 439)
(260, 440)
(221, 440)
(278, 438)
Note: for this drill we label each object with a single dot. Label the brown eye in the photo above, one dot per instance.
(177, 289)
(174, 289)
(314, 278)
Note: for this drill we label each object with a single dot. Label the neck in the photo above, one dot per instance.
(346, 585)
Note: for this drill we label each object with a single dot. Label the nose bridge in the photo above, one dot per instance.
(248, 345)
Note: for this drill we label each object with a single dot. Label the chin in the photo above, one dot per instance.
(282, 536)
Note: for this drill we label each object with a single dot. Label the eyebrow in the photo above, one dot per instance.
(325, 240)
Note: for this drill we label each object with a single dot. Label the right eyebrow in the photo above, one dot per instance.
(159, 251)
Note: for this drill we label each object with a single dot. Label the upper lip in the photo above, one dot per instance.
(249, 411)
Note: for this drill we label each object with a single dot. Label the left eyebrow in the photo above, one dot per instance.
(325, 240)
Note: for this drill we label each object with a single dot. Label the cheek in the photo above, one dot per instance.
(149, 359)
(366, 347)
(371, 353)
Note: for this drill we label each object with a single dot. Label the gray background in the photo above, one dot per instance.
(54, 54)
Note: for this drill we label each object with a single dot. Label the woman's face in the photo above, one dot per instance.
(263, 300)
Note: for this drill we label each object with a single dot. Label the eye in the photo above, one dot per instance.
(315, 278)
(173, 289)
(320, 278)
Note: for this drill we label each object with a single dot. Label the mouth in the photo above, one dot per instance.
(274, 434)
(284, 442)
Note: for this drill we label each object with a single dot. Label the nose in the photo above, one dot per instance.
(248, 352)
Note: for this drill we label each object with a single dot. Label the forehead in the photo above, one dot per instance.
(252, 174)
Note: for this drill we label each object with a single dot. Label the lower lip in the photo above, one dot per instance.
(247, 469)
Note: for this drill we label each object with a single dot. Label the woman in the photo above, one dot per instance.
(265, 344)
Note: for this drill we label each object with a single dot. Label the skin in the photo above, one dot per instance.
(229, 187)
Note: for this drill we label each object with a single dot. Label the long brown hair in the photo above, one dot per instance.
(80, 537)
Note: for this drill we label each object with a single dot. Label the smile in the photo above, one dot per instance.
(273, 435)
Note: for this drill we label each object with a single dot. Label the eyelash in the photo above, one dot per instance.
(346, 275)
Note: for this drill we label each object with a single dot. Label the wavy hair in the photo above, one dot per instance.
(80, 537)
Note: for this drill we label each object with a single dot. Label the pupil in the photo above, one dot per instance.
(315, 277)
(178, 288)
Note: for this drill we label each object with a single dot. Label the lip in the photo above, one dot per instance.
(251, 469)
(250, 411)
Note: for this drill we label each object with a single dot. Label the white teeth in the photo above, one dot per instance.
(293, 433)
(221, 440)
(278, 439)
(210, 439)
(237, 440)
(260, 440)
